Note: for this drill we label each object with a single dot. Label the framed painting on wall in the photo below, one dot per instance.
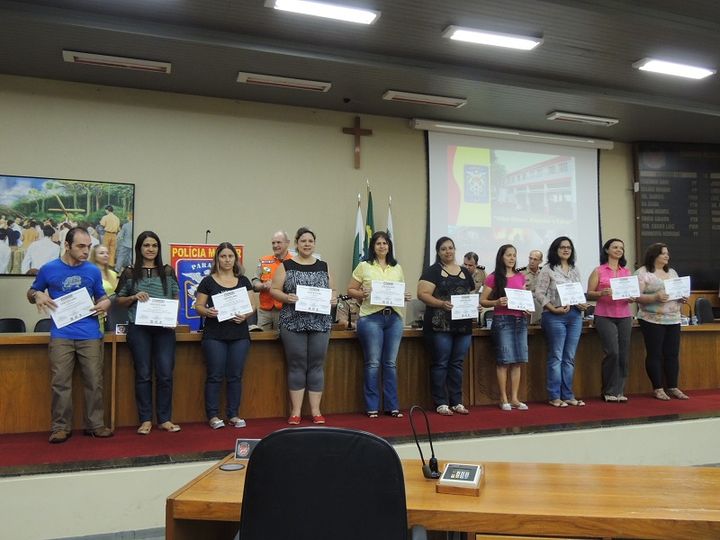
(36, 213)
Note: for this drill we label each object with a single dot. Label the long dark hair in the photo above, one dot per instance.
(604, 252)
(554, 258)
(137, 270)
(372, 256)
(652, 253)
(440, 242)
(238, 269)
(501, 272)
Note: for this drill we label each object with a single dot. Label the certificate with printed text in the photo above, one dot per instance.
(465, 306)
(571, 294)
(625, 287)
(387, 293)
(313, 299)
(520, 299)
(157, 312)
(72, 307)
(677, 288)
(231, 303)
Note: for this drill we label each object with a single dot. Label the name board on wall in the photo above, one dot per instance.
(677, 202)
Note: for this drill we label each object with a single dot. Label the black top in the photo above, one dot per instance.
(311, 275)
(439, 320)
(226, 330)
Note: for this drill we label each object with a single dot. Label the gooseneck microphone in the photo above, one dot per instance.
(207, 233)
(430, 469)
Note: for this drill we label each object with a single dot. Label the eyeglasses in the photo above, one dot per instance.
(565, 248)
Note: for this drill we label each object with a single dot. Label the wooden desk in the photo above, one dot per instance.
(25, 375)
(532, 499)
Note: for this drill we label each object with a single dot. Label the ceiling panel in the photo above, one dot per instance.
(584, 64)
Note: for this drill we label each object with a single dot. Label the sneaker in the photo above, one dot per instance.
(444, 410)
(460, 409)
(99, 433)
(505, 407)
(216, 423)
(237, 422)
(59, 436)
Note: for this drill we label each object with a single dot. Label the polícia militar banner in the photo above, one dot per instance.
(192, 262)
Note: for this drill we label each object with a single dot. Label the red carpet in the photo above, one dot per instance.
(24, 453)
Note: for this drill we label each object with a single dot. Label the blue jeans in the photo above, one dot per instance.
(446, 370)
(153, 347)
(225, 361)
(380, 337)
(562, 334)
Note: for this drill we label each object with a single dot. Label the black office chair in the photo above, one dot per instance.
(703, 311)
(10, 325)
(324, 483)
(43, 325)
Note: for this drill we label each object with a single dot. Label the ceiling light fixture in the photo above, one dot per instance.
(586, 119)
(424, 99)
(103, 60)
(283, 82)
(512, 134)
(495, 39)
(672, 68)
(328, 11)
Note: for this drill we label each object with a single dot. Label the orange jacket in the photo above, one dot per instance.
(265, 272)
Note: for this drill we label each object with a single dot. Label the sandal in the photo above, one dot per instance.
(661, 395)
(394, 413)
(460, 409)
(575, 402)
(169, 427)
(678, 394)
(216, 423)
(622, 398)
(145, 428)
(557, 403)
(444, 410)
(520, 406)
(237, 422)
(372, 414)
(609, 398)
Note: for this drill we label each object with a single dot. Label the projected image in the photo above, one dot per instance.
(492, 192)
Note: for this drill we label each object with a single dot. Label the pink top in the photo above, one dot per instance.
(515, 282)
(606, 306)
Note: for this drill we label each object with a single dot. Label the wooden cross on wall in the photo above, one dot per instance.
(357, 132)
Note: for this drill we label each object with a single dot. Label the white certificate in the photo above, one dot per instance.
(72, 307)
(677, 288)
(520, 299)
(387, 293)
(465, 306)
(313, 299)
(157, 312)
(231, 303)
(625, 287)
(571, 293)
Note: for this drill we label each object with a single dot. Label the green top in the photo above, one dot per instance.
(150, 283)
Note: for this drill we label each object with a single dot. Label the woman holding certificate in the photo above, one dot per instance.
(222, 298)
(660, 323)
(612, 320)
(152, 347)
(304, 286)
(380, 325)
(509, 327)
(448, 336)
(561, 319)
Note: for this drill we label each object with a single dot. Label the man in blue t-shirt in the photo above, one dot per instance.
(79, 339)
